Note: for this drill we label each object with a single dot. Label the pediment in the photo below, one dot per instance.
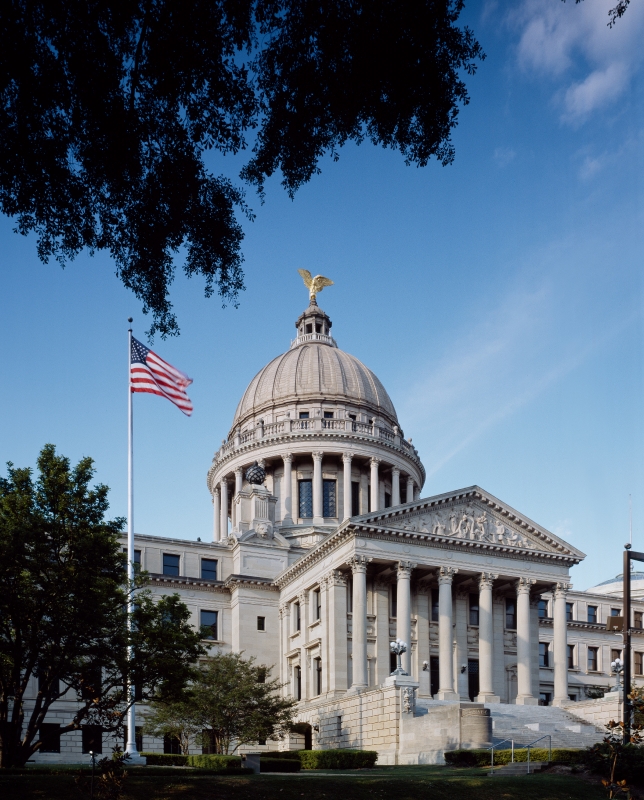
(469, 517)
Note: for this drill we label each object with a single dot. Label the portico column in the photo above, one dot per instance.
(375, 485)
(318, 518)
(223, 515)
(287, 510)
(395, 486)
(239, 482)
(524, 673)
(358, 566)
(445, 649)
(346, 483)
(403, 610)
(560, 643)
(486, 640)
(409, 498)
(216, 513)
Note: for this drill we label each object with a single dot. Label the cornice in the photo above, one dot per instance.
(235, 581)
(181, 582)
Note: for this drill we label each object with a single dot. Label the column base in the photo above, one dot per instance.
(357, 688)
(488, 698)
(561, 701)
(447, 696)
(137, 760)
(526, 700)
(318, 521)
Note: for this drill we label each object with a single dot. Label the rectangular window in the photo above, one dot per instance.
(91, 682)
(318, 675)
(338, 729)
(387, 500)
(304, 414)
(639, 663)
(305, 489)
(353, 417)
(261, 674)
(350, 595)
(50, 737)
(637, 619)
(170, 564)
(298, 619)
(328, 415)
(171, 745)
(261, 623)
(615, 612)
(208, 569)
(209, 624)
(298, 683)
(543, 609)
(394, 601)
(592, 659)
(474, 609)
(510, 614)
(570, 616)
(545, 698)
(92, 738)
(615, 654)
(317, 604)
(592, 614)
(435, 605)
(571, 656)
(328, 498)
(544, 654)
(137, 559)
(433, 675)
(355, 498)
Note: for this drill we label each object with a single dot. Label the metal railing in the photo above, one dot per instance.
(497, 745)
(522, 747)
(541, 738)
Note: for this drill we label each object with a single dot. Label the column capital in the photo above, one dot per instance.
(446, 575)
(486, 579)
(560, 590)
(524, 585)
(284, 610)
(359, 563)
(239, 471)
(410, 479)
(335, 578)
(317, 455)
(261, 463)
(375, 461)
(215, 491)
(347, 457)
(303, 598)
(395, 470)
(287, 458)
(405, 568)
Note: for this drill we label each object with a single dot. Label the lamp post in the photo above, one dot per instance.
(399, 647)
(629, 555)
(617, 666)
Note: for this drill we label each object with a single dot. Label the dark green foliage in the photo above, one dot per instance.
(63, 609)
(165, 759)
(108, 781)
(337, 759)
(481, 758)
(630, 762)
(107, 109)
(219, 762)
(279, 764)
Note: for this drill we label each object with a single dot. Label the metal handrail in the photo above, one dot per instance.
(528, 746)
(503, 741)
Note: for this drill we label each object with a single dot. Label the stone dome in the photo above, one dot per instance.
(615, 586)
(315, 369)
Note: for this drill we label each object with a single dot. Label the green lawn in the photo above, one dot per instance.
(389, 783)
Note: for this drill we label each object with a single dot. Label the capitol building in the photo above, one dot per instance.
(325, 548)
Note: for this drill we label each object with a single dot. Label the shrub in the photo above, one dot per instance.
(337, 759)
(165, 759)
(216, 762)
(630, 762)
(290, 755)
(481, 758)
(279, 765)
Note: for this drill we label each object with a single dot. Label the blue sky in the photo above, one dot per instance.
(498, 299)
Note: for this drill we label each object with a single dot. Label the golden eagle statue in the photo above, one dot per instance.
(314, 285)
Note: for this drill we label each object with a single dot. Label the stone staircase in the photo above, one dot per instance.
(524, 724)
(520, 768)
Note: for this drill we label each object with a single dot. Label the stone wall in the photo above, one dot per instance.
(600, 711)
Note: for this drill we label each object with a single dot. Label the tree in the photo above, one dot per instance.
(107, 110)
(174, 718)
(63, 610)
(233, 700)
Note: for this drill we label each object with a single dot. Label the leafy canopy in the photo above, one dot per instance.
(63, 610)
(107, 110)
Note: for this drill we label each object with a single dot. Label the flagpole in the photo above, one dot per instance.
(130, 746)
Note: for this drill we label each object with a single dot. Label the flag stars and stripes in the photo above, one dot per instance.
(150, 373)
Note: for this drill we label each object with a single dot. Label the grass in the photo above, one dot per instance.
(401, 783)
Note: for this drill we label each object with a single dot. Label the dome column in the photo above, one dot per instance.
(287, 489)
(239, 483)
(395, 486)
(347, 494)
(375, 485)
(410, 490)
(318, 517)
(216, 513)
(223, 532)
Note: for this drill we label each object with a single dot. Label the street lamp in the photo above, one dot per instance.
(629, 555)
(617, 666)
(398, 648)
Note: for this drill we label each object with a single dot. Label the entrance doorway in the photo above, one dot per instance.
(433, 675)
(472, 679)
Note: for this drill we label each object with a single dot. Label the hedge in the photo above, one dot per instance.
(337, 759)
(218, 762)
(165, 759)
(290, 755)
(279, 765)
(481, 758)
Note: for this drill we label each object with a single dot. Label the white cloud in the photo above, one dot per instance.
(504, 155)
(558, 38)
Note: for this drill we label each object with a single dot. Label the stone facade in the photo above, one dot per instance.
(328, 553)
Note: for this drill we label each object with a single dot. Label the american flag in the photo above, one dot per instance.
(149, 373)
